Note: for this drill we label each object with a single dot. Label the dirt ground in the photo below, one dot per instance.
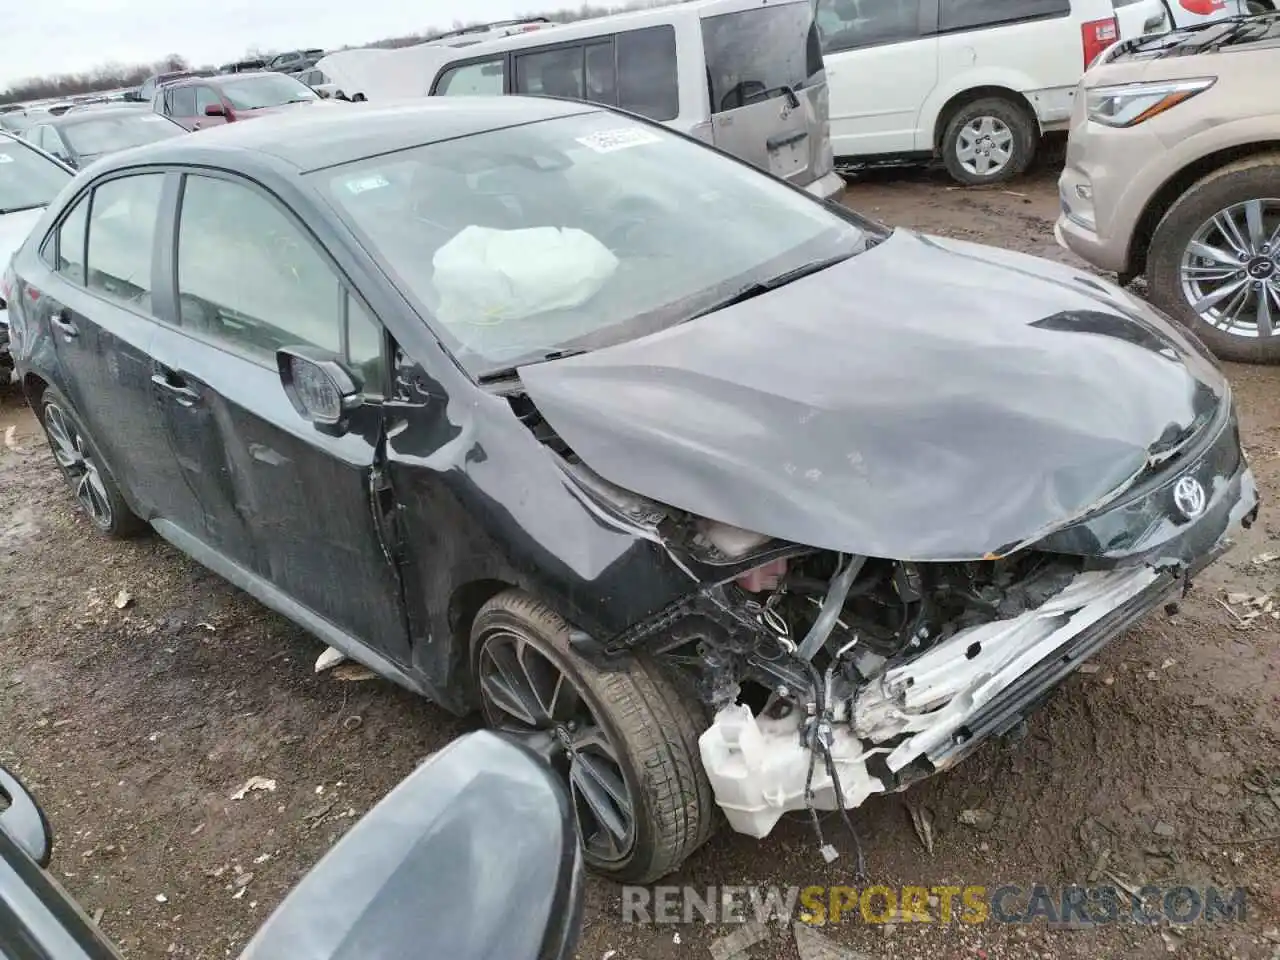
(135, 725)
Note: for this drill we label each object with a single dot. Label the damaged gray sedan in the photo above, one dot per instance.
(715, 494)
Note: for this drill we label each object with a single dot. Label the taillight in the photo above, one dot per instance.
(1096, 36)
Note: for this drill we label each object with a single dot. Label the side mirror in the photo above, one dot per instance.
(23, 821)
(474, 854)
(319, 386)
(845, 9)
(215, 110)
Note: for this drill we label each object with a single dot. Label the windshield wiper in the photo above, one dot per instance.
(752, 290)
(29, 206)
(509, 372)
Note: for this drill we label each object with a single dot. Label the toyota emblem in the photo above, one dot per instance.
(1189, 498)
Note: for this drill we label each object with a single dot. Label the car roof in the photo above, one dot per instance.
(221, 78)
(328, 134)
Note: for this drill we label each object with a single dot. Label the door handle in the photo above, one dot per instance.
(173, 385)
(63, 323)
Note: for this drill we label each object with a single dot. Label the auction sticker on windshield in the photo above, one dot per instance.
(5, 158)
(373, 182)
(607, 141)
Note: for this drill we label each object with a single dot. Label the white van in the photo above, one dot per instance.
(743, 75)
(973, 81)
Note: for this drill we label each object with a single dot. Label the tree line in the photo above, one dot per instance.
(113, 76)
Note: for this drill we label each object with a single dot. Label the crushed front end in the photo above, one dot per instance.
(832, 677)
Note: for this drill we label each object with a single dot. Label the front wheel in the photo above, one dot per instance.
(1214, 260)
(626, 739)
(989, 141)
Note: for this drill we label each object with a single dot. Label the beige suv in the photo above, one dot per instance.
(1173, 171)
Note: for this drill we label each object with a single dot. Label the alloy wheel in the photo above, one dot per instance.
(77, 463)
(526, 695)
(984, 146)
(1230, 270)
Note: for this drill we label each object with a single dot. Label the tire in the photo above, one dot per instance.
(358, 98)
(1256, 178)
(1002, 113)
(652, 725)
(92, 484)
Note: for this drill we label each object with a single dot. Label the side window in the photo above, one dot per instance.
(473, 80)
(53, 143)
(70, 243)
(601, 74)
(364, 345)
(551, 73)
(122, 228)
(972, 14)
(206, 97)
(182, 101)
(647, 82)
(849, 24)
(249, 277)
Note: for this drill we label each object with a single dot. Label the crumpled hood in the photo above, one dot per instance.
(925, 400)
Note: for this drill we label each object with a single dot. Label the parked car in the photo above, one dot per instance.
(1173, 173)
(713, 487)
(29, 180)
(200, 103)
(294, 60)
(743, 76)
(146, 92)
(975, 83)
(18, 121)
(317, 81)
(79, 137)
(436, 837)
(256, 65)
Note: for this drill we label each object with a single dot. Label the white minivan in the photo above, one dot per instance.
(745, 76)
(973, 81)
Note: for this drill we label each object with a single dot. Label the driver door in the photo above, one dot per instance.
(288, 504)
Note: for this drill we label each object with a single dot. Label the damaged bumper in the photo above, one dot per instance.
(925, 714)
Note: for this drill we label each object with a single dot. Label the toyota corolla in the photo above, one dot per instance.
(717, 494)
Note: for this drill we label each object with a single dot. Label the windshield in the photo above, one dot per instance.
(576, 232)
(268, 90)
(90, 137)
(27, 179)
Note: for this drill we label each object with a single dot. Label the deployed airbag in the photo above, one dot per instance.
(485, 276)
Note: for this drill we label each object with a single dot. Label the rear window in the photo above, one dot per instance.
(473, 79)
(108, 134)
(754, 55)
(971, 14)
(27, 179)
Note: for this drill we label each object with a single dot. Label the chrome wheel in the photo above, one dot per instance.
(984, 146)
(77, 463)
(526, 695)
(1230, 270)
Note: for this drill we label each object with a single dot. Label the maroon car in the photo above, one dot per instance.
(201, 102)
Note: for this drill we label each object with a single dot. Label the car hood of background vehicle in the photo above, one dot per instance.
(925, 400)
(14, 228)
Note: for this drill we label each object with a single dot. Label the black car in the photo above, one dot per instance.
(481, 826)
(81, 136)
(694, 482)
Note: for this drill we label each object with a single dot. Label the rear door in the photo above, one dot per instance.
(284, 501)
(99, 306)
(767, 88)
(882, 65)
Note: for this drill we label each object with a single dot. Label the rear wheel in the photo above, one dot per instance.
(627, 740)
(77, 458)
(1214, 260)
(989, 141)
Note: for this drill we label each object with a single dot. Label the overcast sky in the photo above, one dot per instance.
(65, 36)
